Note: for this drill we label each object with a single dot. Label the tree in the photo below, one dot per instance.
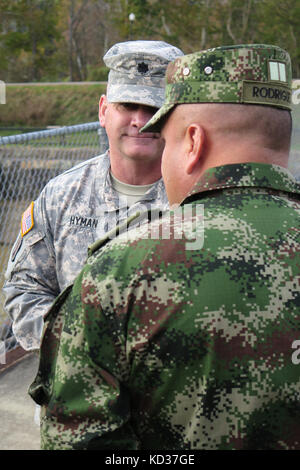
(282, 27)
(28, 34)
(67, 39)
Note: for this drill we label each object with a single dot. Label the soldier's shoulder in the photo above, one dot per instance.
(120, 236)
(78, 170)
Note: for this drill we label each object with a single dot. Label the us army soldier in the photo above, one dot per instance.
(84, 203)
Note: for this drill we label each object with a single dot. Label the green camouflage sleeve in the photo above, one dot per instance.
(88, 406)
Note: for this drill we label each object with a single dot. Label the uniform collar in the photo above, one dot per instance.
(260, 175)
(108, 197)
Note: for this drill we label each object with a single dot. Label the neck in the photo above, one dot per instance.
(248, 153)
(136, 173)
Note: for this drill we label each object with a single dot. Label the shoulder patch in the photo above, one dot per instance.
(27, 221)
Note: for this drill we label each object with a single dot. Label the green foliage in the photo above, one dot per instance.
(45, 105)
(283, 27)
(28, 27)
(65, 40)
(97, 74)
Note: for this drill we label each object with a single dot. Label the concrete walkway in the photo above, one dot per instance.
(18, 429)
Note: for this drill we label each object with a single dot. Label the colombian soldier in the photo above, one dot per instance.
(188, 339)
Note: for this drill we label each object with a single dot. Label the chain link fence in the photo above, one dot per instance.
(27, 163)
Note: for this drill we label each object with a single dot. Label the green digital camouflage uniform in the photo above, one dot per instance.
(181, 334)
(162, 347)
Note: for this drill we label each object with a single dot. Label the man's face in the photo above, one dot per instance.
(122, 122)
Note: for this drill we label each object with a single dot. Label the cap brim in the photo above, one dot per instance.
(155, 123)
(140, 94)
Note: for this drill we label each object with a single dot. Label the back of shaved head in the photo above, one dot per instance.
(272, 126)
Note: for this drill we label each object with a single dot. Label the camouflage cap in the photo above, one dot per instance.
(137, 71)
(246, 73)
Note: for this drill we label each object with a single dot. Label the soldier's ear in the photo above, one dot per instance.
(195, 143)
(102, 110)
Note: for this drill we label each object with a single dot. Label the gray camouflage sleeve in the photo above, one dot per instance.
(31, 283)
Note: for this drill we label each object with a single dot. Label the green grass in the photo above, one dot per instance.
(50, 105)
(4, 132)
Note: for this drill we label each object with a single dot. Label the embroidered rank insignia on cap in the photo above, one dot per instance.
(143, 68)
(277, 71)
(27, 221)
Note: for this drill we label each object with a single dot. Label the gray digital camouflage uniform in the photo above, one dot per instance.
(162, 347)
(81, 206)
(71, 213)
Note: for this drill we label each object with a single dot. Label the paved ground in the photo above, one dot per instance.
(18, 429)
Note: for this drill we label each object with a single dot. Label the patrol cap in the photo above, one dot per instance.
(137, 71)
(247, 73)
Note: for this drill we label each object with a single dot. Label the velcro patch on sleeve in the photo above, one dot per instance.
(27, 221)
(16, 248)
